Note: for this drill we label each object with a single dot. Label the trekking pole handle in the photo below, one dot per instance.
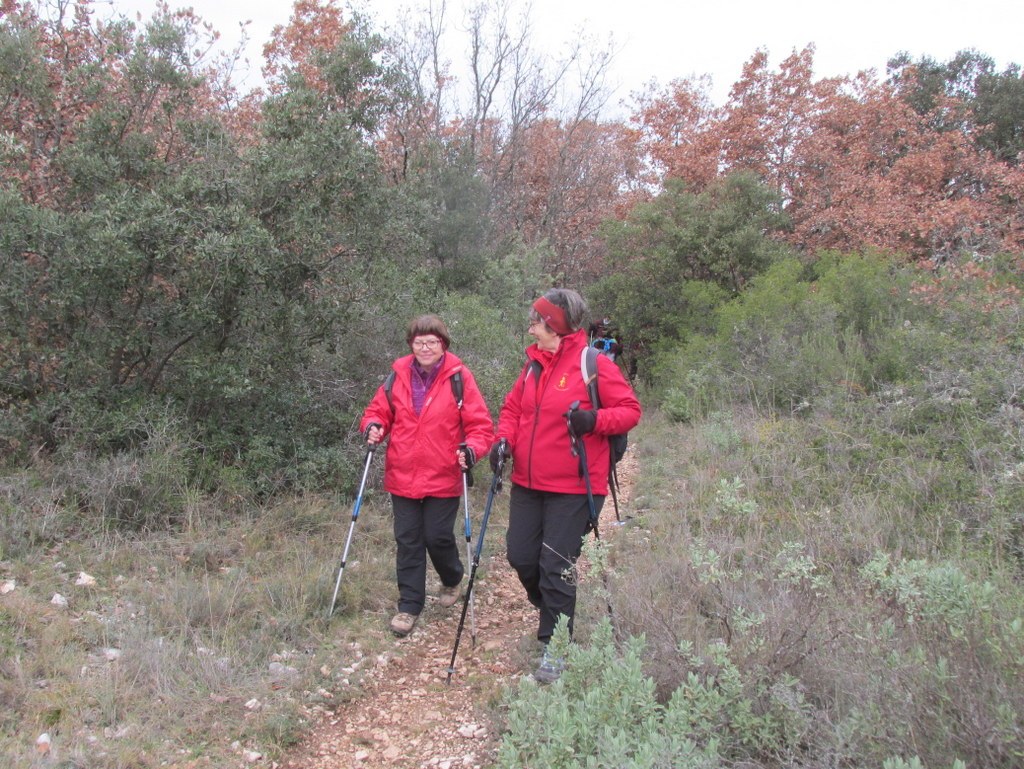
(366, 435)
(467, 471)
(502, 454)
(573, 438)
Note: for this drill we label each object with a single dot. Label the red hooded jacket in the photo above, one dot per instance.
(421, 456)
(533, 419)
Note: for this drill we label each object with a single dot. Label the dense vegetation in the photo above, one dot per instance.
(818, 283)
(825, 565)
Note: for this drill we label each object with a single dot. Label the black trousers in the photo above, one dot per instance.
(544, 539)
(424, 527)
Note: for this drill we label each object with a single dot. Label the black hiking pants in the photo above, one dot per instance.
(544, 539)
(424, 527)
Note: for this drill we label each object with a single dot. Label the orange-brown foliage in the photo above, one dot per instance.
(855, 167)
(314, 27)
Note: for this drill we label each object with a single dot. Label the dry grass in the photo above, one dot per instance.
(195, 642)
(764, 533)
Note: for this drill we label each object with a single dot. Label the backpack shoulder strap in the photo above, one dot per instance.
(533, 369)
(389, 382)
(588, 368)
(457, 388)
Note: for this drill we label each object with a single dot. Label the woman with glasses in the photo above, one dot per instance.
(549, 509)
(423, 465)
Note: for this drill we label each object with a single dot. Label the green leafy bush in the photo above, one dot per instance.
(602, 712)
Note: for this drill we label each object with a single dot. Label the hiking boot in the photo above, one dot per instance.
(449, 595)
(550, 668)
(403, 623)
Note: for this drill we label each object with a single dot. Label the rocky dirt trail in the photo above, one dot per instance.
(407, 716)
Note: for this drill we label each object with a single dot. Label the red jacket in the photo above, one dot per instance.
(533, 419)
(421, 459)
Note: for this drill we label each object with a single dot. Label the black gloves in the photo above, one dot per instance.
(493, 454)
(583, 421)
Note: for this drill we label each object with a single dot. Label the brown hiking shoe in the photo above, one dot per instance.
(449, 595)
(403, 623)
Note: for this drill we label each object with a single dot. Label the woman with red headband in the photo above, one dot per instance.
(549, 509)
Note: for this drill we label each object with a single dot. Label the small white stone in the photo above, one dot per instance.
(7, 586)
(85, 580)
(280, 670)
(59, 600)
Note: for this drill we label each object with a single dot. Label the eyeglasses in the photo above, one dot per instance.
(426, 344)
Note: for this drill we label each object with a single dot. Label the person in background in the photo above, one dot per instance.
(424, 462)
(604, 338)
(548, 508)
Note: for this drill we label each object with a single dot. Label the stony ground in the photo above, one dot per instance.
(408, 715)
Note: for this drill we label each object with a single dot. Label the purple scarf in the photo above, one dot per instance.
(421, 381)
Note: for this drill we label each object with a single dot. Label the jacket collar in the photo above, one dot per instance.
(573, 343)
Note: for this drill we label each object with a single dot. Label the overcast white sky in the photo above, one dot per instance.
(666, 39)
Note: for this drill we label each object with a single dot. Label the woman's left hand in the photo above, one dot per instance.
(583, 422)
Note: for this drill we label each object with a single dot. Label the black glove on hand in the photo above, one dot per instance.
(583, 422)
(493, 455)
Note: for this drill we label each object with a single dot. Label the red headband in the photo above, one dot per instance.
(553, 315)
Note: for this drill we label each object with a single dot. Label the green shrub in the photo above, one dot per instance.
(677, 406)
(143, 486)
(602, 712)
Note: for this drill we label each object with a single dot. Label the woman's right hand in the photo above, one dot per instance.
(374, 434)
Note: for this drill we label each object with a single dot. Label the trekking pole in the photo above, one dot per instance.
(467, 481)
(495, 488)
(613, 487)
(579, 449)
(370, 448)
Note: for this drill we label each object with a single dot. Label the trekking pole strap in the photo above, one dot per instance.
(579, 449)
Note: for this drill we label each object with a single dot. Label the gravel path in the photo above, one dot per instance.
(407, 716)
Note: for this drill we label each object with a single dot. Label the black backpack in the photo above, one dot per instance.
(618, 443)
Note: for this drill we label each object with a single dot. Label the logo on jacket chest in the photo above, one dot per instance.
(562, 383)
